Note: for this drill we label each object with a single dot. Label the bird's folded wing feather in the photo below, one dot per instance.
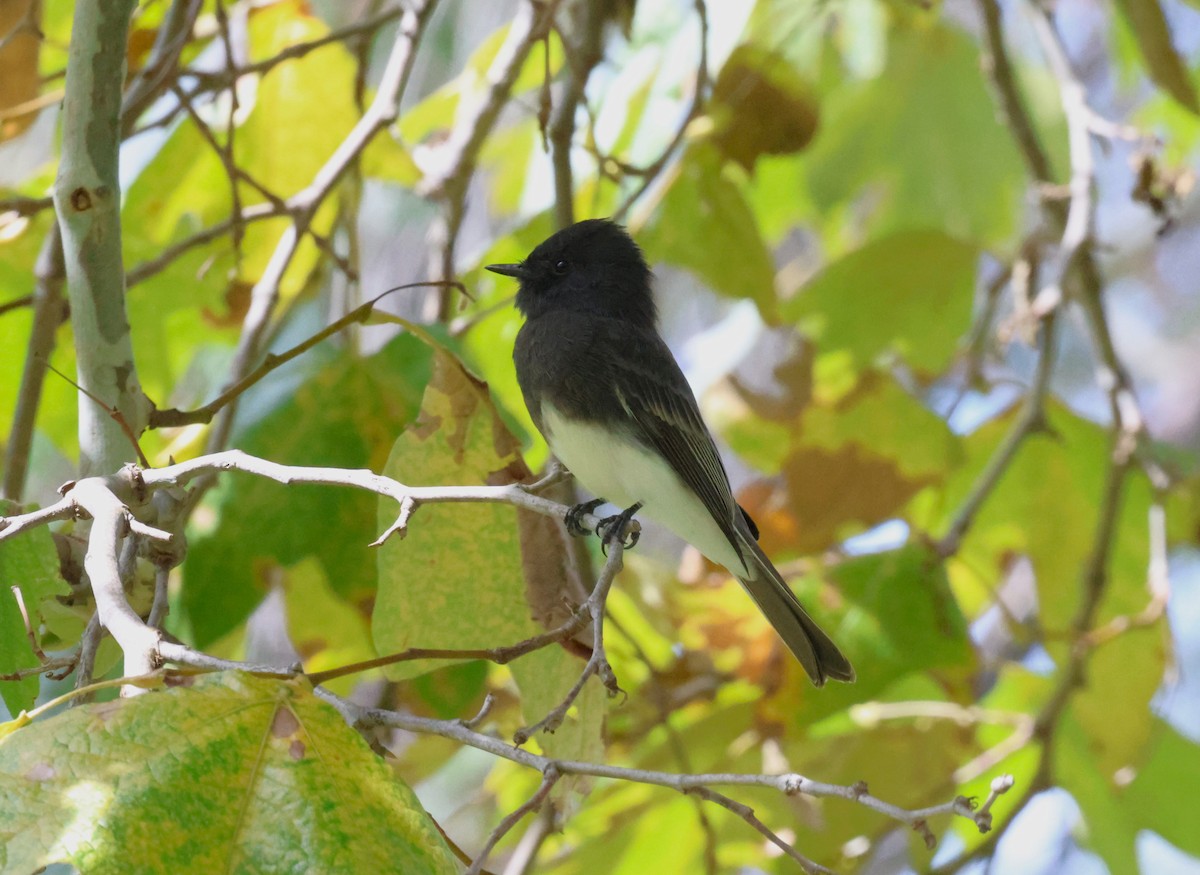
(664, 416)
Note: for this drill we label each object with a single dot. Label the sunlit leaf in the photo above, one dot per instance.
(454, 581)
(457, 579)
(437, 112)
(325, 629)
(234, 771)
(1159, 798)
(29, 563)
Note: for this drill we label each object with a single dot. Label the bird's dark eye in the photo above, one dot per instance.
(561, 267)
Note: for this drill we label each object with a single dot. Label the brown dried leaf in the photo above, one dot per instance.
(824, 491)
(18, 64)
(760, 106)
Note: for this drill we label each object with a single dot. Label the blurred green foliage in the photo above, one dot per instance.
(852, 179)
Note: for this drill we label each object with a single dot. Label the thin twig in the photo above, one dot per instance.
(549, 778)
(460, 154)
(49, 312)
(597, 663)
(524, 855)
(172, 417)
(789, 784)
(746, 813)
(16, 304)
(583, 45)
(383, 110)
(699, 95)
(30, 632)
(25, 206)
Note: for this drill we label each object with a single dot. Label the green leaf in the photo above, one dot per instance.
(910, 293)
(900, 618)
(458, 579)
(449, 691)
(346, 414)
(704, 225)
(923, 135)
(1109, 830)
(1132, 667)
(1162, 796)
(1115, 809)
(28, 562)
(1045, 506)
(326, 630)
(184, 184)
(1168, 70)
(234, 774)
(386, 159)
(454, 581)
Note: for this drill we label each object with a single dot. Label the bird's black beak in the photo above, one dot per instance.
(514, 270)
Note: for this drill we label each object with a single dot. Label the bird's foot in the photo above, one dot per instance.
(572, 519)
(621, 527)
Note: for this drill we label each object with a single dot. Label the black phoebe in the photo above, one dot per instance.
(615, 408)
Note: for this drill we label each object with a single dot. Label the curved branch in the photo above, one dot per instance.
(788, 784)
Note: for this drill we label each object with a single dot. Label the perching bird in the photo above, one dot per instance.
(612, 403)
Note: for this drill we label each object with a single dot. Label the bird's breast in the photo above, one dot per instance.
(613, 465)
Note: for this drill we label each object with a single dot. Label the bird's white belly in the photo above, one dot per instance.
(624, 473)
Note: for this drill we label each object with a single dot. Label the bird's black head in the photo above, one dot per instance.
(593, 266)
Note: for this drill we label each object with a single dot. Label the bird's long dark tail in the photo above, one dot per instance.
(813, 648)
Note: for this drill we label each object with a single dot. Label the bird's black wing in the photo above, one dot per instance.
(663, 414)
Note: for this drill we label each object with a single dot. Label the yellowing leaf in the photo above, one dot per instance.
(326, 629)
(436, 113)
(235, 773)
(455, 580)
(19, 81)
